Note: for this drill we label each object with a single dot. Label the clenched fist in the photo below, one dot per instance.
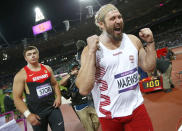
(93, 42)
(146, 35)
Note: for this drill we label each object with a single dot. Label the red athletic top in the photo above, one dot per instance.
(37, 76)
(42, 96)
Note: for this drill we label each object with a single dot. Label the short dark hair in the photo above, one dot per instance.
(29, 48)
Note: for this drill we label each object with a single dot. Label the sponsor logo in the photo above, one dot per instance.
(40, 77)
(131, 58)
(45, 71)
(117, 53)
(31, 75)
(60, 123)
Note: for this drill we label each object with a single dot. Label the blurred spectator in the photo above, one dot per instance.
(164, 66)
(8, 101)
(82, 105)
(80, 44)
(170, 55)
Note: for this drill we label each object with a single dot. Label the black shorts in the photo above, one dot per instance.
(54, 119)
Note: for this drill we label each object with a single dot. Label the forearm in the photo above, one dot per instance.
(86, 76)
(64, 80)
(57, 91)
(20, 104)
(149, 61)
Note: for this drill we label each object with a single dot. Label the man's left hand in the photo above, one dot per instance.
(57, 102)
(146, 35)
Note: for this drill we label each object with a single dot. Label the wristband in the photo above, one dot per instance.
(26, 113)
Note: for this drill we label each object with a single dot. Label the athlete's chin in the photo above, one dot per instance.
(118, 37)
(33, 62)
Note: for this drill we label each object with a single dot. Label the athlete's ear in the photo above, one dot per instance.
(25, 58)
(101, 25)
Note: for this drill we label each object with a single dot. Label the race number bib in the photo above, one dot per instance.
(44, 90)
(127, 80)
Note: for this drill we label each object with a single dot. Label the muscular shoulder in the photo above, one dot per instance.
(48, 68)
(135, 40)
(21, 75)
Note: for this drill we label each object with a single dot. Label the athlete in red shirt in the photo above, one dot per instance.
(40, 87)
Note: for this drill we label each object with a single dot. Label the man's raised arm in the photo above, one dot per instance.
(86, 75)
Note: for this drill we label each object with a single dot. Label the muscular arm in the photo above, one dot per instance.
(54, 83)
(18, 88)
(86, 76)
(147, 56)
(64, 80)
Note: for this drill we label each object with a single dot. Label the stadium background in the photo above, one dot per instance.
(164, 17)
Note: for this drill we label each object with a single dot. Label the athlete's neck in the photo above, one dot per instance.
(34, 67)
(108, 41)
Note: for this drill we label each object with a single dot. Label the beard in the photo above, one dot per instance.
(112, 34)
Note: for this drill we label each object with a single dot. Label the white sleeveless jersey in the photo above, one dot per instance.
(116, 92)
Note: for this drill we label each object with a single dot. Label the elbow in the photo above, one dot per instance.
(149, 69)
(152, 67)
(149, 66)
(17, 100)
(83, 89)
(83, 92)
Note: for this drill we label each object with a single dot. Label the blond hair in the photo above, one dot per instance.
(101, 13)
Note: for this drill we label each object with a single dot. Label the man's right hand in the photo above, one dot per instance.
(93, 43)
(34, 119)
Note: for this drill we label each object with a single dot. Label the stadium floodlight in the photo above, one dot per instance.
(81, 1)
(67, 24)
(5, 56)
(90, 11)
(38, 14)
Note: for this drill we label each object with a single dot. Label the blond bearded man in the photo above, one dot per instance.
(40, 87)
(109, 69)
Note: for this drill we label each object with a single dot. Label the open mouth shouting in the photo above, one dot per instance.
(117, 30)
